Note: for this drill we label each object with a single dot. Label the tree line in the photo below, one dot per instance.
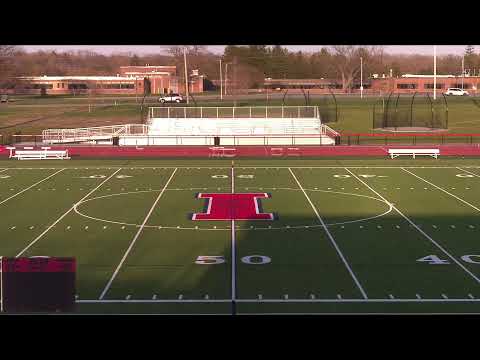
(247, 65)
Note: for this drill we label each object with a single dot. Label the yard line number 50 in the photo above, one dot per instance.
(250, 260)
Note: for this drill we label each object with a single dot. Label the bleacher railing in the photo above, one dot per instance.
(213, 112)
(92, 133)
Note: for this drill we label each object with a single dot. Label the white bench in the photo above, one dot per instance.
(397, 152)
(40, 154)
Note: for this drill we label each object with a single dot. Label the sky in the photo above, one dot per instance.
(218, 49)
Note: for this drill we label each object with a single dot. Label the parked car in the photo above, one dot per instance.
(456, 92)
(170, 98)
(3, 98)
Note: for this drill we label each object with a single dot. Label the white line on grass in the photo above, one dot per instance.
(330, 237)
(445, 191)
(471, 173)
(270, 167)
(420, 230)
(38, 182)
(234, 284)
(136, 237)
(65, 214)
(257, 300)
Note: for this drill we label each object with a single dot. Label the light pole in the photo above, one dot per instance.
(463, 69)
(186, 75)
(361, 78)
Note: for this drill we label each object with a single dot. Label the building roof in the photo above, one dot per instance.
(77, 78)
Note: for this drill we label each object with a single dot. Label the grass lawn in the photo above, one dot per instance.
(348, 236)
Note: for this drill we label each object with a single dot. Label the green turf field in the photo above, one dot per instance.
(350, 236)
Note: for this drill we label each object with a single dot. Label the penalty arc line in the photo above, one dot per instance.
(445, 191)
(420, 230)
(65, 214)
(38, 182)
(331, 237)
(107, 287)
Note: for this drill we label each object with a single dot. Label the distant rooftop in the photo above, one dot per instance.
(78, 78)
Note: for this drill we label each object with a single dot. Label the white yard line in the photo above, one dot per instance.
(38, 182)
(3, 170)
(65, 214)
(459, 168)
(420, 230)
(330, 237)
(234, 275)
(445, 191)
(107, 287)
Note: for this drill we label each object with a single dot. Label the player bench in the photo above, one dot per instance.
(43, 154)
(413, 152)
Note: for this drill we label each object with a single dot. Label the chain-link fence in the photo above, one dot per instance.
(415, 113)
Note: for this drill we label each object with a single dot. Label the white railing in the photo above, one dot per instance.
(92, 133)
(216, 112)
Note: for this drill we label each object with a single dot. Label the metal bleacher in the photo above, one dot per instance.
(254, 125)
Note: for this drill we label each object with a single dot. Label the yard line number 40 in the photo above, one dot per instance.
(435, 260)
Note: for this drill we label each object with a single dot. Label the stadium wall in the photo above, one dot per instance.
(88, 152)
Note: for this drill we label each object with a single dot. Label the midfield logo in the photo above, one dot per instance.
(224, 206)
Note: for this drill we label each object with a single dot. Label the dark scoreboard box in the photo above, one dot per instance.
(38, 284)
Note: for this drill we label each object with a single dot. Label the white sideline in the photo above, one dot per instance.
(65, 214)
(420, 230)
(387, 300)
(234, 276)
(331, 237)
(251, 167)
(107, 287)
(445, 191)
(38, 182)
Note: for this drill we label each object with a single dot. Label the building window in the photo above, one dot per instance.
(77, 86)
(459, 85)
(407, 86)
(42, 86)
(430, 86)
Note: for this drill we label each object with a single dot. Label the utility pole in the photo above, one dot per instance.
(434, 72)
(221, 81)
(463, 69)
(235, 80)
(361, 78)
(186, 74)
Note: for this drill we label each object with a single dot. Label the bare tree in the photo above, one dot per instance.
(7, 64)
(347, 60)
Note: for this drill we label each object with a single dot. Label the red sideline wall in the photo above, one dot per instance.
(83, 152)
